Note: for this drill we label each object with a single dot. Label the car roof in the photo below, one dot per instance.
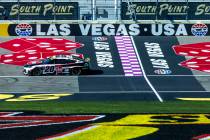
(62, 57)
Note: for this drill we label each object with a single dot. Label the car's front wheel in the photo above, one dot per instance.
(76, 71)
(36, 72)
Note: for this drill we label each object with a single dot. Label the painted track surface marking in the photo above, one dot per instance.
(128, 57)
(113, 80)
(144, 74)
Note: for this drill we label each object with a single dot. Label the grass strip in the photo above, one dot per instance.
(78, 107)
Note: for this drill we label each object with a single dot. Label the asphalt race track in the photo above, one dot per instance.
(122, 68)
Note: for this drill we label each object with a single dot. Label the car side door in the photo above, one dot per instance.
(49, 67)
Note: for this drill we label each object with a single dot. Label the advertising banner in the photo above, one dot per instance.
(39, 10)
(25, 29)
(166, 10)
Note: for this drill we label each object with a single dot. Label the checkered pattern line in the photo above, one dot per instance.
(128, 57)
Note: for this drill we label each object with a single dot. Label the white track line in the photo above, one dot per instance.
(41, 92)
(179, 75)
(185, 91)
(101, 92)
(90, 76)
(140, 91)
(143, 72)
(87, 76)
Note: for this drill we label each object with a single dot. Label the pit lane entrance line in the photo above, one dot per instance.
(143, 72)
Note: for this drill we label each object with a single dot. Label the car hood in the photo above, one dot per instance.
(33, 63)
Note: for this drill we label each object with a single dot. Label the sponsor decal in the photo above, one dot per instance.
(23, 29)
(96, 127)
(87, 29)
(166, 10)
(100, 30)
(137, 126)
(100, 38)
(102, 51)
(32, 97)
(162, 71)
(112, 131)
(157, 58)
(16, 120)
(66, 135)
(194, 99)
(53, 30)
(29, 121)
(168, 30)
(200, 56)
(202, 137)
(110, 29)
(199, 29)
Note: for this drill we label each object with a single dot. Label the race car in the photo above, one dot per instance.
(57, 65)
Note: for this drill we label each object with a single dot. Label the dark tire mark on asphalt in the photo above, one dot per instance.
(6, 81)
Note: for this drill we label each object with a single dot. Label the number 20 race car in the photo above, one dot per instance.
(58, 64)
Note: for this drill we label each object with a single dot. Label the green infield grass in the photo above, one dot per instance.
(78, 107)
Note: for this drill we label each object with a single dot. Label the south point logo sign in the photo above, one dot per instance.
(166, 10)
(108, 30)
(41, 10)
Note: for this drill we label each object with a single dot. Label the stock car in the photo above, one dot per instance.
(56, 65)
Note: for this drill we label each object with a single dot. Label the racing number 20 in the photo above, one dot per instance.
(49, 69)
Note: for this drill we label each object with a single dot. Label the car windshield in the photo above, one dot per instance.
(46, 61)
(77, 58)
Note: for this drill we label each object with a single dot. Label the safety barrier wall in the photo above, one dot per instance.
(25, 29)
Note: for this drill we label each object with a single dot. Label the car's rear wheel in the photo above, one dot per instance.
(36, 72)
(76, 71)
